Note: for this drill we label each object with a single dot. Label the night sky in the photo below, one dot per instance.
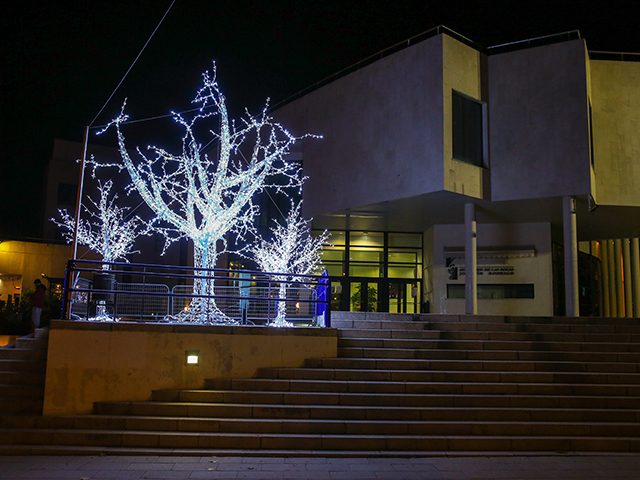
(62, 60)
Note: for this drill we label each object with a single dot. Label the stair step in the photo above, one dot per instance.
(391, 398)
(21, 391)
(21, 378)
(542, 337)
(159, 425)
(534, 328)
(22, 365)
(362, 349)
(22, 406)
(359, 412)
(32, 343)
(491, 345)
(471, 365)
(11, 353)
(42, 333)
(417, 334)
(631, 392)
(447, 376)
(142, 439)
(536, 346)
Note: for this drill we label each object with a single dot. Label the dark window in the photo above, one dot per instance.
(494, 291)
(467, 130)
(67, 194)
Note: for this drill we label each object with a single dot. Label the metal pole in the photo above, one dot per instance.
(604, 258)
(617, 251)
(635, 248)
(66, 296)
(471, 260)
(613, 303)
(628, 290)
(80, 189)
(571, 291)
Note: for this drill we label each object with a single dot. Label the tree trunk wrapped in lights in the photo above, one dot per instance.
(292, 252)
(206, 199)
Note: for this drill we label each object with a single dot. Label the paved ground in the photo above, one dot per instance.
(152, 467)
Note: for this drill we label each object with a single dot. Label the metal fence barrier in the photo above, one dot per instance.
(104, 291)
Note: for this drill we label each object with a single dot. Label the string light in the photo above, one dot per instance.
(106, 232)
(205, 199)
(292, 252)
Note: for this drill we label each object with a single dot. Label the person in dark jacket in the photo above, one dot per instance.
(37, 303)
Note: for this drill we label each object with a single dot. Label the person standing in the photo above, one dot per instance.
(37, 303)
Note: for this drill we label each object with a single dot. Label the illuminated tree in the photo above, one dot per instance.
(291, 252)
(207, 198)
(104, 230)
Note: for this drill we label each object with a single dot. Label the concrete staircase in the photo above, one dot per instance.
(400, 386)
(22, 374)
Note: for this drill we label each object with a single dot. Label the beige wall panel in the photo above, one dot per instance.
(90, 362)
(615, 100)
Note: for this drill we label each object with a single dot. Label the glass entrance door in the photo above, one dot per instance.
(403, 296)
(364, 296)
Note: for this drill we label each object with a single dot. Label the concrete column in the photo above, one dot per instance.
(635, 250)
(617, 249)
(471, 260)
(571, 292)
(613, 303)
(604, 251)
(628, 282)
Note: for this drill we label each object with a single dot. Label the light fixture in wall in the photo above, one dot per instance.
(192, 357)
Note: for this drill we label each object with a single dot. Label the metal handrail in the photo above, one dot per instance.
(265, 280)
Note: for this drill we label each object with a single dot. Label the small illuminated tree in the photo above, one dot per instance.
(291, 252)
(206, 199)
(105, 230)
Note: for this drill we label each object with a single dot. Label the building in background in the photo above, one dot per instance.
(522, 159)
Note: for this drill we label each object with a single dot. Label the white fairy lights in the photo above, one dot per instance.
(292, 252)
(205, 199)
(105, 231)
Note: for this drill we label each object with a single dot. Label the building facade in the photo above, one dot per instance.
(458, 179)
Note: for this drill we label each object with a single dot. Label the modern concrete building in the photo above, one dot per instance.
(520, 161)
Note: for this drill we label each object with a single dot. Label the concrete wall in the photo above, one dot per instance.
(89, 362)
(383, 132)
(462, 72)
(615, 102)
(538, 122)
(525, 247)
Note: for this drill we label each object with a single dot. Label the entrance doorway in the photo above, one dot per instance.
(364, 296)
(403, 296)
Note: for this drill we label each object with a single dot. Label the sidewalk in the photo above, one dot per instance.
(583, 467)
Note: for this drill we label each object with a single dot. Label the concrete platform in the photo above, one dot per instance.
(459, 467)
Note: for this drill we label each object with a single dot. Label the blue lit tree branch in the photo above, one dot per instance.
(206, 199)
(291, 252)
